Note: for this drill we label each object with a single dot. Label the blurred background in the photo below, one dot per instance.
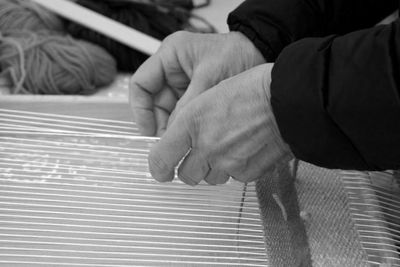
(44, 52)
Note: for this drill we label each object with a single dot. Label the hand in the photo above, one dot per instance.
(228, 130)
(186, 65)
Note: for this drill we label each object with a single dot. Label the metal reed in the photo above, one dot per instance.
(374, 201)
(76, 191)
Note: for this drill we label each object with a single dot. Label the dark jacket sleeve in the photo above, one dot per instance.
(273, 24)
(337, 99)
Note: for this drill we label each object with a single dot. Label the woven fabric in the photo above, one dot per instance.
(286, 240)
(374, 199)
(327, 232)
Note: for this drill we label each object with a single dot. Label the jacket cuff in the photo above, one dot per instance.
(299, 104)
(264, 48)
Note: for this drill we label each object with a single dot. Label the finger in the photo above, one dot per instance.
(193, 169)
(245, 179)
(161, 117)
(166, 99)
(201, 80)
(260, 164)
(147, 81)
(168, 152)
(164, 103)
(172, 116)
(216, 176)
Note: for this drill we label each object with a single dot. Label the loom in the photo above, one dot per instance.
(75, 191)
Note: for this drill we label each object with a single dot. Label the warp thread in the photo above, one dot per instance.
(43, 63)
(37, 57)
(142, 17)
(27, 15)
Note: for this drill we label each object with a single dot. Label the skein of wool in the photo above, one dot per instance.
(27, 15)
(142, 17)
(40, 63)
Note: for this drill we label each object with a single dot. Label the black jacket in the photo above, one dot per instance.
(336, 79)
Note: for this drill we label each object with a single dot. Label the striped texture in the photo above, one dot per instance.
(77, 192)
(374, 202)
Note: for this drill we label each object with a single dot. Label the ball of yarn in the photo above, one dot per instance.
(40, 63)
(142, 17)
(27, 15)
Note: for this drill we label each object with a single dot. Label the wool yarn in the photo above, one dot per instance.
(27, 15)
(142, 17)
(44, 63)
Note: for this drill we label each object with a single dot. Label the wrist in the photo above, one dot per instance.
(267, 79)
(246, 48)
(282, 146)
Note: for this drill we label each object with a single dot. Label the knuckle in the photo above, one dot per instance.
(132, 82)
(244, 178)
(230, 165)
(134, 88)
(239, 170)
(249, 175)
(176, 38)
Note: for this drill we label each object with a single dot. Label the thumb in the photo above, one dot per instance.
(171, 149)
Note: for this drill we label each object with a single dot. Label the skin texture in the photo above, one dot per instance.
(214, 117)
(186, 65)
(228, 130)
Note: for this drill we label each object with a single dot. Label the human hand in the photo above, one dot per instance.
(186, 65)
(228, 130)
